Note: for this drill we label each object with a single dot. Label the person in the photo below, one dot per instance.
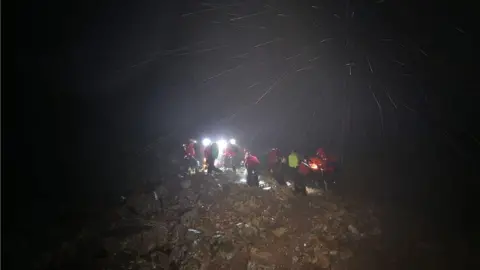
(273, 159)
(211, 154)
(231, 154)
(302, 174)
(214, 150)
(209, 159)
(321, 153)
(323, 162)
(293, 162)
(317, 163)
(280, 170)
(251, 164)
(189, 151)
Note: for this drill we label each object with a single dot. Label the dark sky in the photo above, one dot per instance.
(95, 81)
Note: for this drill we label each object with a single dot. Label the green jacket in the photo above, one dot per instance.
(293, 160)
(214, 150)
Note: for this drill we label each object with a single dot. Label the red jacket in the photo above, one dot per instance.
(230, 151)
(321, 153)
(303, 168)
(251, 162)
(207, 151)
(273, 156)
(190, 150)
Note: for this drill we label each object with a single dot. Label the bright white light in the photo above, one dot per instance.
(222, 143)
(233, 141)
(206, 142)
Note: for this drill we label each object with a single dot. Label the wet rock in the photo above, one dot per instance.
(178, 254)
(322, 260)
(329, 206)
(161, 234)
(187, 199)
(248, 232)
(161, 191)
(143, 204)
(160, 260)
(333, 252)
(260, 256)
(254, 265)
(178, 234)
(353, 230)
(223, 247)
(193, 234)
(226, 250)
(200, 250)
(279, 232)
(217, 225)
(188, 219)
(186, 183)
(346, 254)
(191, 264)
(141, 243)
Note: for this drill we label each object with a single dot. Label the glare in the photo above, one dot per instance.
(222, 143)
(233, 141)
(206, 142)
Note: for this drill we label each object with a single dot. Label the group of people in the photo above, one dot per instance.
(299, 169)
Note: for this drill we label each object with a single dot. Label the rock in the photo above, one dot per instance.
(329, 206)
(193, 234)
(185, 184)
(191, 264)
(226, 250)
(259, 255)
(143, 204)
(322, 260)
(160, 260)
(188, 219)
(141, 243)
(346, 254)
(247, 232)
(353, 230)
(178, 254)
(187, 199)
(200, 249)
(253, 265)
(279, 232)
(160, 232)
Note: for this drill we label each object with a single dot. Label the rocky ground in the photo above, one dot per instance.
(218, 222)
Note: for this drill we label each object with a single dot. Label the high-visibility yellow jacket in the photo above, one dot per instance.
(293, 160)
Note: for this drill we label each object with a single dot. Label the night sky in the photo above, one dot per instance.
(387, 87)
